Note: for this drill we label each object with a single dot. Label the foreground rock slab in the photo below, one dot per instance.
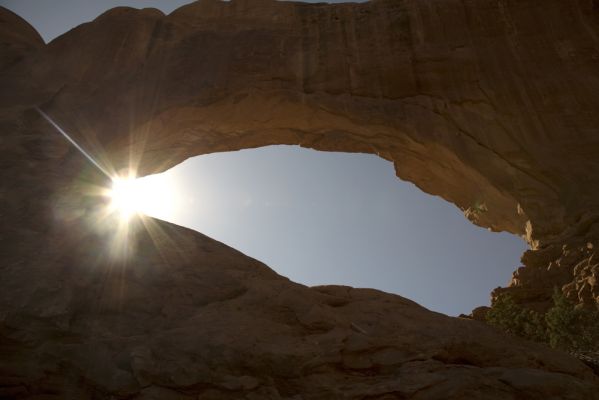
(186, 317)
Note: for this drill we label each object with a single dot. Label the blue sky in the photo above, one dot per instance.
(323, 218)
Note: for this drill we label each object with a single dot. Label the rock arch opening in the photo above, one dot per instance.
(490, 105)
(340, 218)
(464, 103)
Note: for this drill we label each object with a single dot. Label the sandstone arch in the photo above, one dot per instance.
(489, 104)
(468, 100)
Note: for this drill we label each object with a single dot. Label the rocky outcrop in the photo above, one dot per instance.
(569, 267)
(187, 317)
(489, 104)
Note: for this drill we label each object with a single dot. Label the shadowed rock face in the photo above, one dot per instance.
(187, 317)
(17, 39)
(489, 104)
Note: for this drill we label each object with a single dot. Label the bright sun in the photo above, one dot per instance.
(152, 195)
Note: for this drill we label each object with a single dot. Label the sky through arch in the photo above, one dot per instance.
(318, 217)
(342, 218)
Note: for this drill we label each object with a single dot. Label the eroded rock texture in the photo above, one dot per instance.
(490, 104)
(188, 317)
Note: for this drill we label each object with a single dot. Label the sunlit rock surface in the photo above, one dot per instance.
(489, 104)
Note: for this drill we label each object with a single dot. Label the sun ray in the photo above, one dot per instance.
(129, 201)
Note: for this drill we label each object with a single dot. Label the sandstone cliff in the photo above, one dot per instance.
(490, 104)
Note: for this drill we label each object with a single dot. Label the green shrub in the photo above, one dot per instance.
(564, 326)
(572, 328)
(506, 315)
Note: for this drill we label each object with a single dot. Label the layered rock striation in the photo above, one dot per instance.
(489, 104)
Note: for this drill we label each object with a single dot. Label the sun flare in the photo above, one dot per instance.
(152, 195)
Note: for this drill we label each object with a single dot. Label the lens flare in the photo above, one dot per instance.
(154, 195)
(124, 197)
(151, 195)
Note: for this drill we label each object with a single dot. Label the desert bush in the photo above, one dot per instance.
(564, 326)
(509, 317)
(572, 328)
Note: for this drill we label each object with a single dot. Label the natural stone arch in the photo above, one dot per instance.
(489, 104)
(465, 99)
